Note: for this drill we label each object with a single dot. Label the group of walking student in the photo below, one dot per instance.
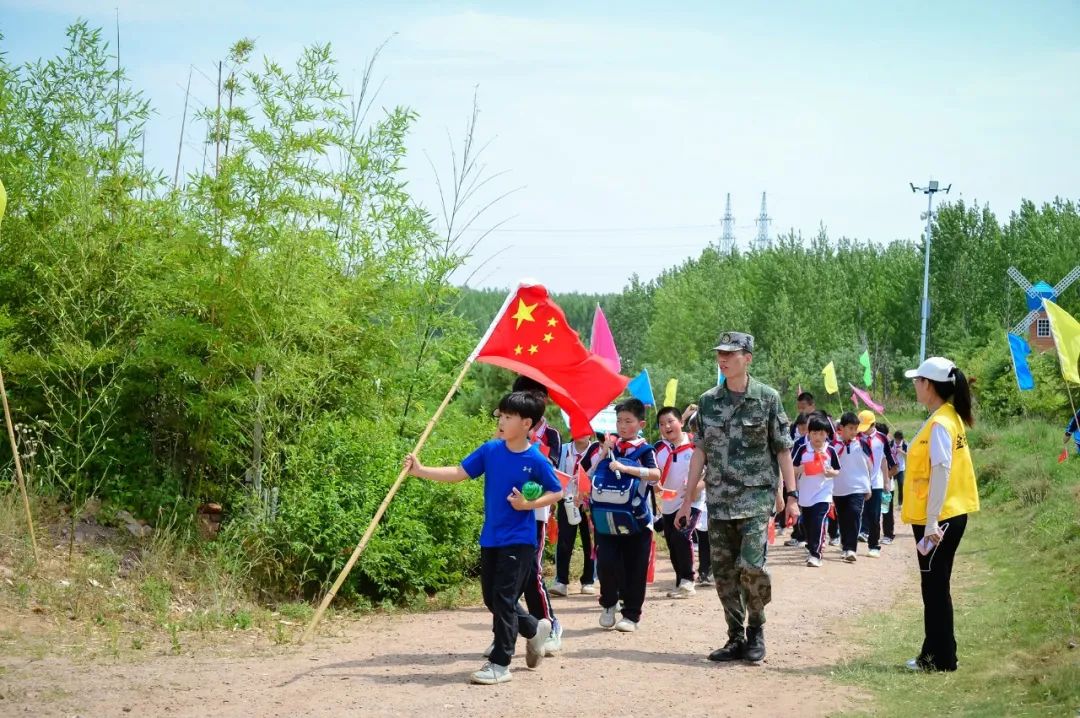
(724, 470)
(850, 474)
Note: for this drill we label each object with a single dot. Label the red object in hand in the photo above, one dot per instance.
(789, 520)
(1063, 456)
(772, 531)
(815, 466)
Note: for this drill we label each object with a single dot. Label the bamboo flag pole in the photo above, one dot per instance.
(11, 427)
(310, 630)
(18, 467)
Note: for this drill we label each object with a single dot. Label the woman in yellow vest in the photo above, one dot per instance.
(939, 493)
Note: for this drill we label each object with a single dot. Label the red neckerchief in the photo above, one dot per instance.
(845, 445)
(673, 452)
(540, 437)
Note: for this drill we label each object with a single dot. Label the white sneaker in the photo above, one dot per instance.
(834, 542)
(588, 588)
(849, 556)
(813, 561)
(791, 542)
(885, 541)
(558, 589)
(534, 647)
(554, 642)
(626, 626)
(491, 674)
(607, 617)
(685, 589)
(874, 553)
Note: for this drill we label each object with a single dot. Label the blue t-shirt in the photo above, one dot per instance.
(504, 470)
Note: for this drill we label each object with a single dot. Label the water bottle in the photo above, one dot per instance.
(886, 499)
(573, 513)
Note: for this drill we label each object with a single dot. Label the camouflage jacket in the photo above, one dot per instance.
(741, 442)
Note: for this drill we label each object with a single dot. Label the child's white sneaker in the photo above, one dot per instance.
(491, 674)
(588, 588)
(834, 542)
(534, 647)
(554, 642)
(874, 553)
(558, 589)
(813, 561)
(685, 589)
(607, 617)
(626, 626)
(849, 556)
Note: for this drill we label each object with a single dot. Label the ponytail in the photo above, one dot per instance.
(958, 391)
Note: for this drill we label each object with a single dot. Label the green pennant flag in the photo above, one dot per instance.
(868, 374)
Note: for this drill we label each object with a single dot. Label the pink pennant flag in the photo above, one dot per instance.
(855, 401)
(865, 398)
(602, 344)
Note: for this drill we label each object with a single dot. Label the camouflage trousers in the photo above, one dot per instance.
(738, 549)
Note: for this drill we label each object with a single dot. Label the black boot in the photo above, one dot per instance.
(733, 650)
(755, 644)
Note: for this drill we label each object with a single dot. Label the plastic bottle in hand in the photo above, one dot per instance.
(573, 513)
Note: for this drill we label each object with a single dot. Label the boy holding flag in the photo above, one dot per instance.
(508, 537)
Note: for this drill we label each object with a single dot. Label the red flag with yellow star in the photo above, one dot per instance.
(532, 337)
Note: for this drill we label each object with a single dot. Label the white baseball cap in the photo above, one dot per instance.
(934, 369)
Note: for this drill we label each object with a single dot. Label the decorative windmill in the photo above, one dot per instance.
(1036, 318)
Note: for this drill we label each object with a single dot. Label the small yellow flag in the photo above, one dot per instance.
(3, 200)
(1066, 331)
(669, 392)
(830, 379)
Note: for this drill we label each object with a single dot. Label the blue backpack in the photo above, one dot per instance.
(620, 502)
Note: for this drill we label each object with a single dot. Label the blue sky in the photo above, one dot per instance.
(625, 128)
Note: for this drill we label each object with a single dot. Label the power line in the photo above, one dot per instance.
(589, 230)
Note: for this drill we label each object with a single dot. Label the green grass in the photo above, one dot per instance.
(1015, 592)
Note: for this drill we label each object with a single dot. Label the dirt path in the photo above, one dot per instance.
(416, 664)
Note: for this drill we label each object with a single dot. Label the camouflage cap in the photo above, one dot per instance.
(734, 341)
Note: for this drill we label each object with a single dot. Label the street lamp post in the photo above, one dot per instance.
(929, 190)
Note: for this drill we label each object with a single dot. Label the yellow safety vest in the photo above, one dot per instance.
(962, 493)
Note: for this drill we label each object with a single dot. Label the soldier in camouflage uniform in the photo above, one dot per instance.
(743, 445)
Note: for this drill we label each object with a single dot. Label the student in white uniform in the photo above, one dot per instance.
(851, 487)
(673, 457)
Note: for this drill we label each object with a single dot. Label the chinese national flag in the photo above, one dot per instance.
(532, 338)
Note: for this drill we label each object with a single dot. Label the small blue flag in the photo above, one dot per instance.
(719, 376)
(1020, 350)
(640, 388)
